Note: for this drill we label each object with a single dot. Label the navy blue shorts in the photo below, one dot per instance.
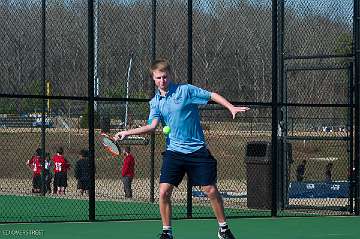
(200, 167)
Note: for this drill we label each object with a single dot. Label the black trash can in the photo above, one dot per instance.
(258, 172)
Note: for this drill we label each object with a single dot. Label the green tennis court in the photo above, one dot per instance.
(26, 208)
(256, 228)
(16, 208)
(44, 209)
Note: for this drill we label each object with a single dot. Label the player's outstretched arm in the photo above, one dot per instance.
(136, 131)
(224, 102)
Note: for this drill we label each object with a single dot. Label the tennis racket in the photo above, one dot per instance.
(114, 146)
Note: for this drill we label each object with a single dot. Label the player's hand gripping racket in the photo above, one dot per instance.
(113, 146)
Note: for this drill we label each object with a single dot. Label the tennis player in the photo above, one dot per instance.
(186, 149)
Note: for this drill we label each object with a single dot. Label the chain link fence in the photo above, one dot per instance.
(317, 71)
(44, 103)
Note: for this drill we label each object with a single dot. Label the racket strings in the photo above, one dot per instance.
(110, 145)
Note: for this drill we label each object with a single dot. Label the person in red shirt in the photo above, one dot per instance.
(128, 171)
(35, 165)
(61, 166)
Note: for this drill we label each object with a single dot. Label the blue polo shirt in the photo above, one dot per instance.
(178, 109)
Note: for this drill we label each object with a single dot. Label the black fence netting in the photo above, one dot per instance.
(317, 46)
(49, 53)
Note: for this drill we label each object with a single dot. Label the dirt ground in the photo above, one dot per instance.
(227, 145)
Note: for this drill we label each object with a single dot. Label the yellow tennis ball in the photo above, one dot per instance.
(166, 130)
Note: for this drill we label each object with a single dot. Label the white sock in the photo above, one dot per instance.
(167, 229)
(223, 226)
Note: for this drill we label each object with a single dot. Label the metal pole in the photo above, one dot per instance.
(275, 110)
(91, 66)
(356, 52)
(127, 91)
(152, 137)
(284, 147)
(96, 51)
(43, 83)
(189, 76)
(190, 41)
(350, 128)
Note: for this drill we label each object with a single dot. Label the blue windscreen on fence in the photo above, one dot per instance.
(334, 189)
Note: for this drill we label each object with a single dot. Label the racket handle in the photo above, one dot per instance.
(133, 141)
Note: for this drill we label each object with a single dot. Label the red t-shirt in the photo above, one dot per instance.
(128, 168)
(35, 165)
(60, 163)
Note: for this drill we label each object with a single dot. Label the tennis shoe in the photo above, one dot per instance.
(166, 236)
(225, 234)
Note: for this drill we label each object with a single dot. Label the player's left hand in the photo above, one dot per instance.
(237, 109)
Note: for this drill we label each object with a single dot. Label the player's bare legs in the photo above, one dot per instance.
(216, 201)
(165, 203)
(165, 208)
(218, 206)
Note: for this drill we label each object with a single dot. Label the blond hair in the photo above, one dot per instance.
(161, 64)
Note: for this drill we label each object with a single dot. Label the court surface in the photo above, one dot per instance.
(243, 228)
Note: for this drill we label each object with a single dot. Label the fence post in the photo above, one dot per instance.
(275, 109)
(91, 68)
(350, 132)
(189, 75)
(152, 137)
(356, 53)
(43, 85)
